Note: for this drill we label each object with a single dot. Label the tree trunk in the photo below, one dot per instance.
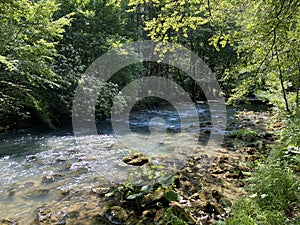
(282, 83)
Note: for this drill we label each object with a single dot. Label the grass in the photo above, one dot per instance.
(273, 192)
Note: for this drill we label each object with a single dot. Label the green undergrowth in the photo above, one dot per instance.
(274, 189)
(153, 202)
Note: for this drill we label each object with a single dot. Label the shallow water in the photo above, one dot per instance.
(36, 166)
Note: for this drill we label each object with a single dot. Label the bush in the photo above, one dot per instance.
(290, 135)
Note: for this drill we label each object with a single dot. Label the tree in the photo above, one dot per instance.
(96, 27)
(265, 34)
(28, 35)
(192, 24)
(267, 41)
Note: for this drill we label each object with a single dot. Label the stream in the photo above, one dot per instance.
(38, 165)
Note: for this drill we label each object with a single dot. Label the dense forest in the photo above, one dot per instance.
(253, 48)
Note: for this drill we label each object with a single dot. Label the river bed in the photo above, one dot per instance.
(37, 166)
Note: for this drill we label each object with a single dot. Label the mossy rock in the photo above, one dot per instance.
(116, 215)
(137, 159)
(153, 197)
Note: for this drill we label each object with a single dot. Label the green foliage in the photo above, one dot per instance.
(173, 196)
(154, 181)
(188, 23)
(252, 46)
(290, 135)
(275, 187)
(274, 190)
(92, 33)
(150, 174)
(46, 46)
(247, 212)
(240, 133)
(147, 188)
(28, 35)
(158, 194)
(59, 54)
(97, 26)
(166, 181)
(291, 157)
(105, 100)
(171, 218)
(267, 41)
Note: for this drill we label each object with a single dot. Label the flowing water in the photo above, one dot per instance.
(37, 166)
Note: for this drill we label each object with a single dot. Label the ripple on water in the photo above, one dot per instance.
(36, 169)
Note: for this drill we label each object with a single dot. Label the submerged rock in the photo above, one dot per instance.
(47, 179)
(137, 159)
(42, 215)
(8, 221)
(60, 218)
(116, 215)
(38, 192)
(101, 191)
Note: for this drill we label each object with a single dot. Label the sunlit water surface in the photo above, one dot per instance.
(38, 165)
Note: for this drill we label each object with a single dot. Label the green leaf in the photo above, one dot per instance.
(166, 181)
(134, 196)
(110, 194)
(173, 196)
(147, 188)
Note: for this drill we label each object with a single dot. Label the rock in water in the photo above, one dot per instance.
(43, 214)
(137, 159)
(8, 221)
(116, 215)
